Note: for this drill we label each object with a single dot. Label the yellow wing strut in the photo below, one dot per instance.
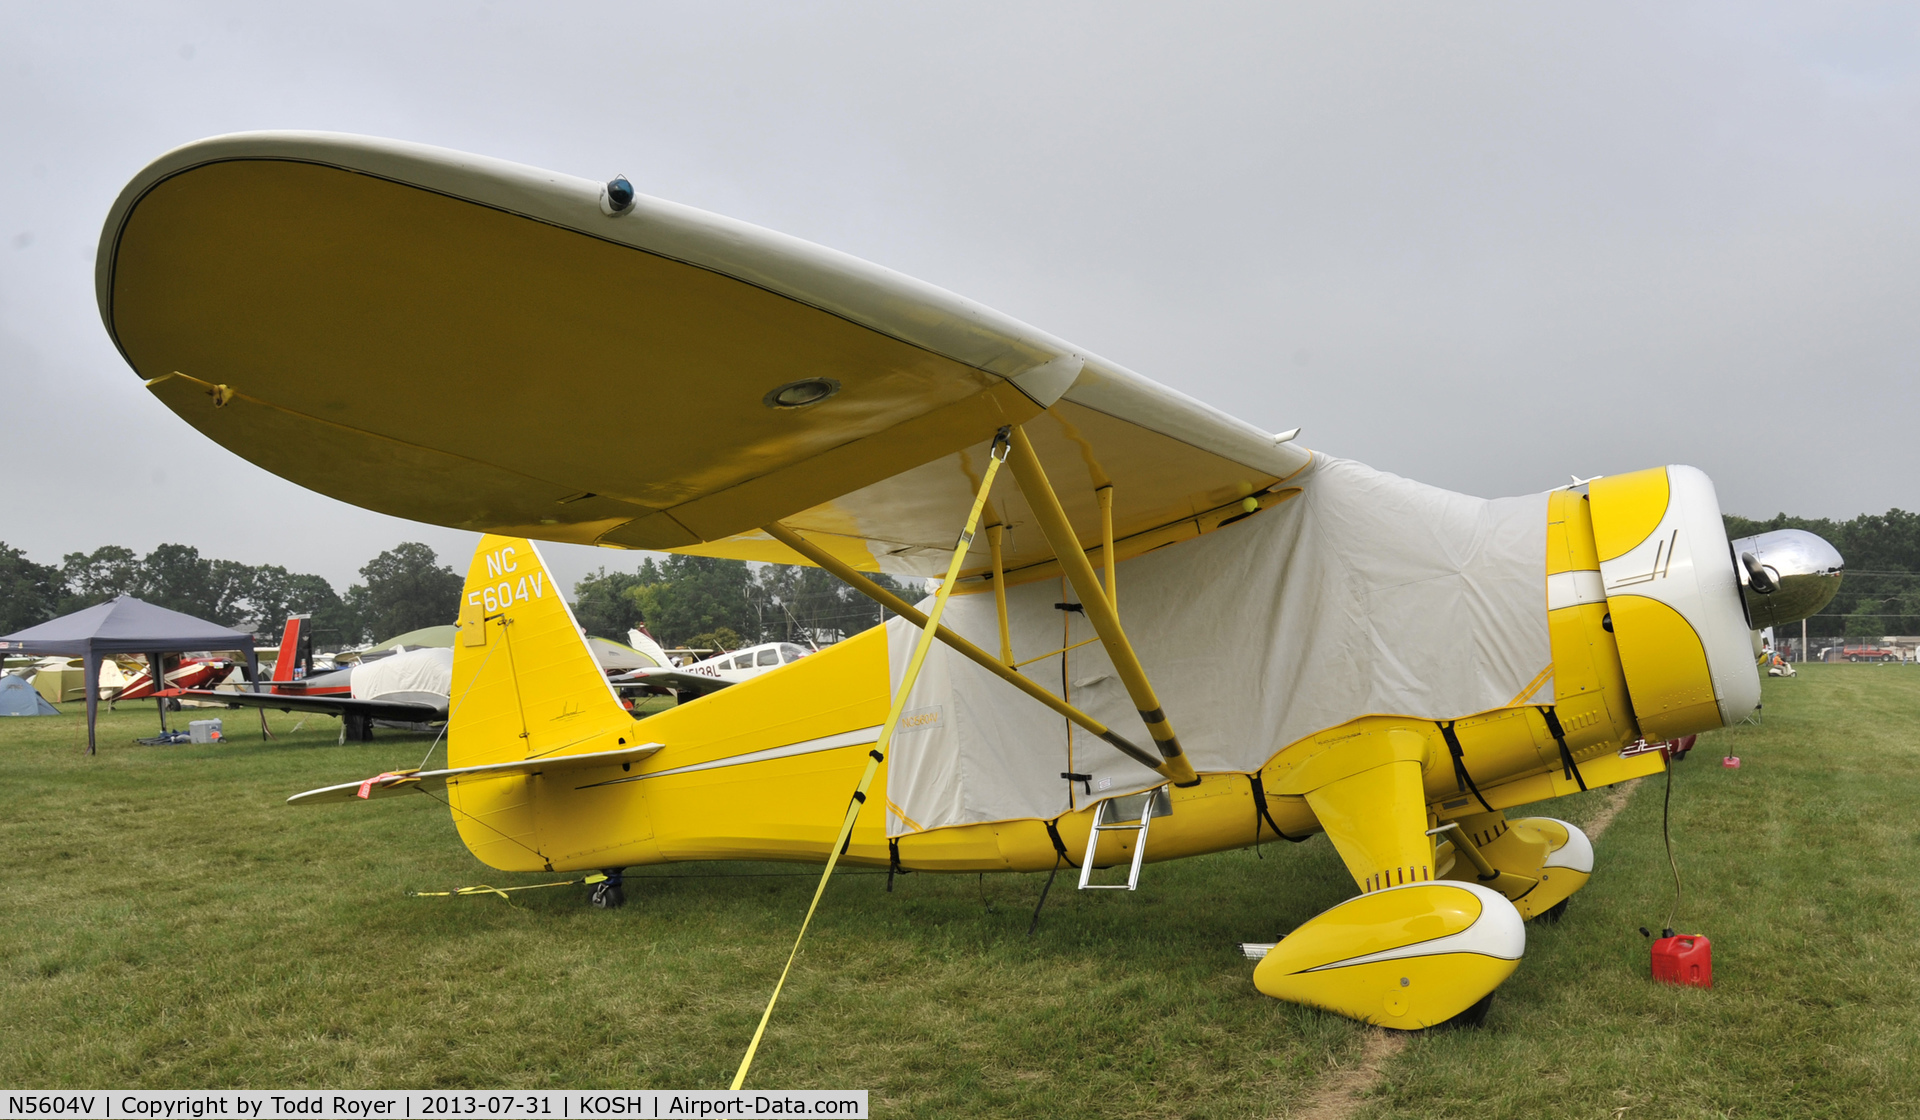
(972, 652)
(1000, 592)
(1098, 606)
(878, 754)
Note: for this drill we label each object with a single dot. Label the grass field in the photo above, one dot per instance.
(167, 922)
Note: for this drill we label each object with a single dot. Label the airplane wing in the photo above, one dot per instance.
(782, 380)
(426, 781)
(397, 711)
(695, 683)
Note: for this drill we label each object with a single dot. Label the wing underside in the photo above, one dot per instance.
(481, 345)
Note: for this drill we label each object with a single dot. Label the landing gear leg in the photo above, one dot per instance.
(609, 893)
(356, 728)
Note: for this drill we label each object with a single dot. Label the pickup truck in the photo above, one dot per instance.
(1868, 653)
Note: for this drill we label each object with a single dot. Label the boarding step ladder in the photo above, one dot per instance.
(1133, 813)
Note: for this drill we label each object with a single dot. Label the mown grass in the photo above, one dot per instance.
(165, 921)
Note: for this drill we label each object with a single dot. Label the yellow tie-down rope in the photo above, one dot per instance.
(875, 757)
(483, 888)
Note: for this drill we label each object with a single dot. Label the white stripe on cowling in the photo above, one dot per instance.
(1572, 589)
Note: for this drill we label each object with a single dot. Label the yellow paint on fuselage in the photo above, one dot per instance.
(713, 793)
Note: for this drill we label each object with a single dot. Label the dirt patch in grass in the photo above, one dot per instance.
(1341, 1093)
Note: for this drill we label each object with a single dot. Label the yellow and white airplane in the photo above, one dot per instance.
(1168, 633)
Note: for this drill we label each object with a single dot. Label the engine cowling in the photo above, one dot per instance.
(1683, 600)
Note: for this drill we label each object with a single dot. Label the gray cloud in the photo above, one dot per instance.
(1483, 246)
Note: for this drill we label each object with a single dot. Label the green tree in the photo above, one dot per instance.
(716, 641)
(176, 577)
(700, 595)
(704, 602)
(608, 604)
(405, 589)
(30, 593)
(97, 576)
(1865, 623)
(277, 593)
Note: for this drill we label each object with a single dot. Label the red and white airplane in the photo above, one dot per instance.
(407, 687)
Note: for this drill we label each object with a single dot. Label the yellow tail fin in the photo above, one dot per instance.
(525, 683)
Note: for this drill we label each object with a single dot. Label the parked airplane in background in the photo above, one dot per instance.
(1341, 650)
(409, 686)
(716, 673)
(186, 673)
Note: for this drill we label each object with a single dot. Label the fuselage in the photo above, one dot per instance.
(760, 770)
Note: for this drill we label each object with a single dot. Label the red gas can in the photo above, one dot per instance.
(1686, 959)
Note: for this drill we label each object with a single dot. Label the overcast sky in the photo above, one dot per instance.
(1483, 246)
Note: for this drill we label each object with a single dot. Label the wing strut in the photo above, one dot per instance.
(972, 652)
(1000, 592)
(1097, 604)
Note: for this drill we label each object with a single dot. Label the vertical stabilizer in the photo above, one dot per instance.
(296, 649)
(525, 682)
(641, 639)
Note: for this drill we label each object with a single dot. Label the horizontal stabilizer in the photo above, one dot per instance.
(395, 711)
(427, 781)
(697, 683)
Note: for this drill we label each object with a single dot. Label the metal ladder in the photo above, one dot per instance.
(1112, 815)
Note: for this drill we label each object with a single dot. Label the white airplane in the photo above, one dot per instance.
(712, 674)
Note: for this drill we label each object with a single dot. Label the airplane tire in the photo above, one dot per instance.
(1555, 912)
(609, 893)
(1475, 1016)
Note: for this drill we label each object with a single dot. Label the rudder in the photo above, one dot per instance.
(525, 682)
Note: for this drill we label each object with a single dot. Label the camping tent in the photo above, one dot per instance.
(20, 698)
(127, 625)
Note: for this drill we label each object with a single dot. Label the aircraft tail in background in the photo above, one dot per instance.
(295, 659)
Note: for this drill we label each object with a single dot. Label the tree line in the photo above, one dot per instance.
(707, 603)
(683, 600)
(404, 588)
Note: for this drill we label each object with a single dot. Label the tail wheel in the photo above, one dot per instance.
(609, 893)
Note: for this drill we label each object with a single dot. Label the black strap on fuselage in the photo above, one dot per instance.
(1262, 813)
(893, 862)
(1460, 774)
(1568, 768)
(1059, 845)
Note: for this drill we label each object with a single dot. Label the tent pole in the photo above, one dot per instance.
(157, 669)
(253, 682)
(92, 673)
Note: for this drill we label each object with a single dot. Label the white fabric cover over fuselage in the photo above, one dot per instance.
(417, 676)
(1365, 594)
